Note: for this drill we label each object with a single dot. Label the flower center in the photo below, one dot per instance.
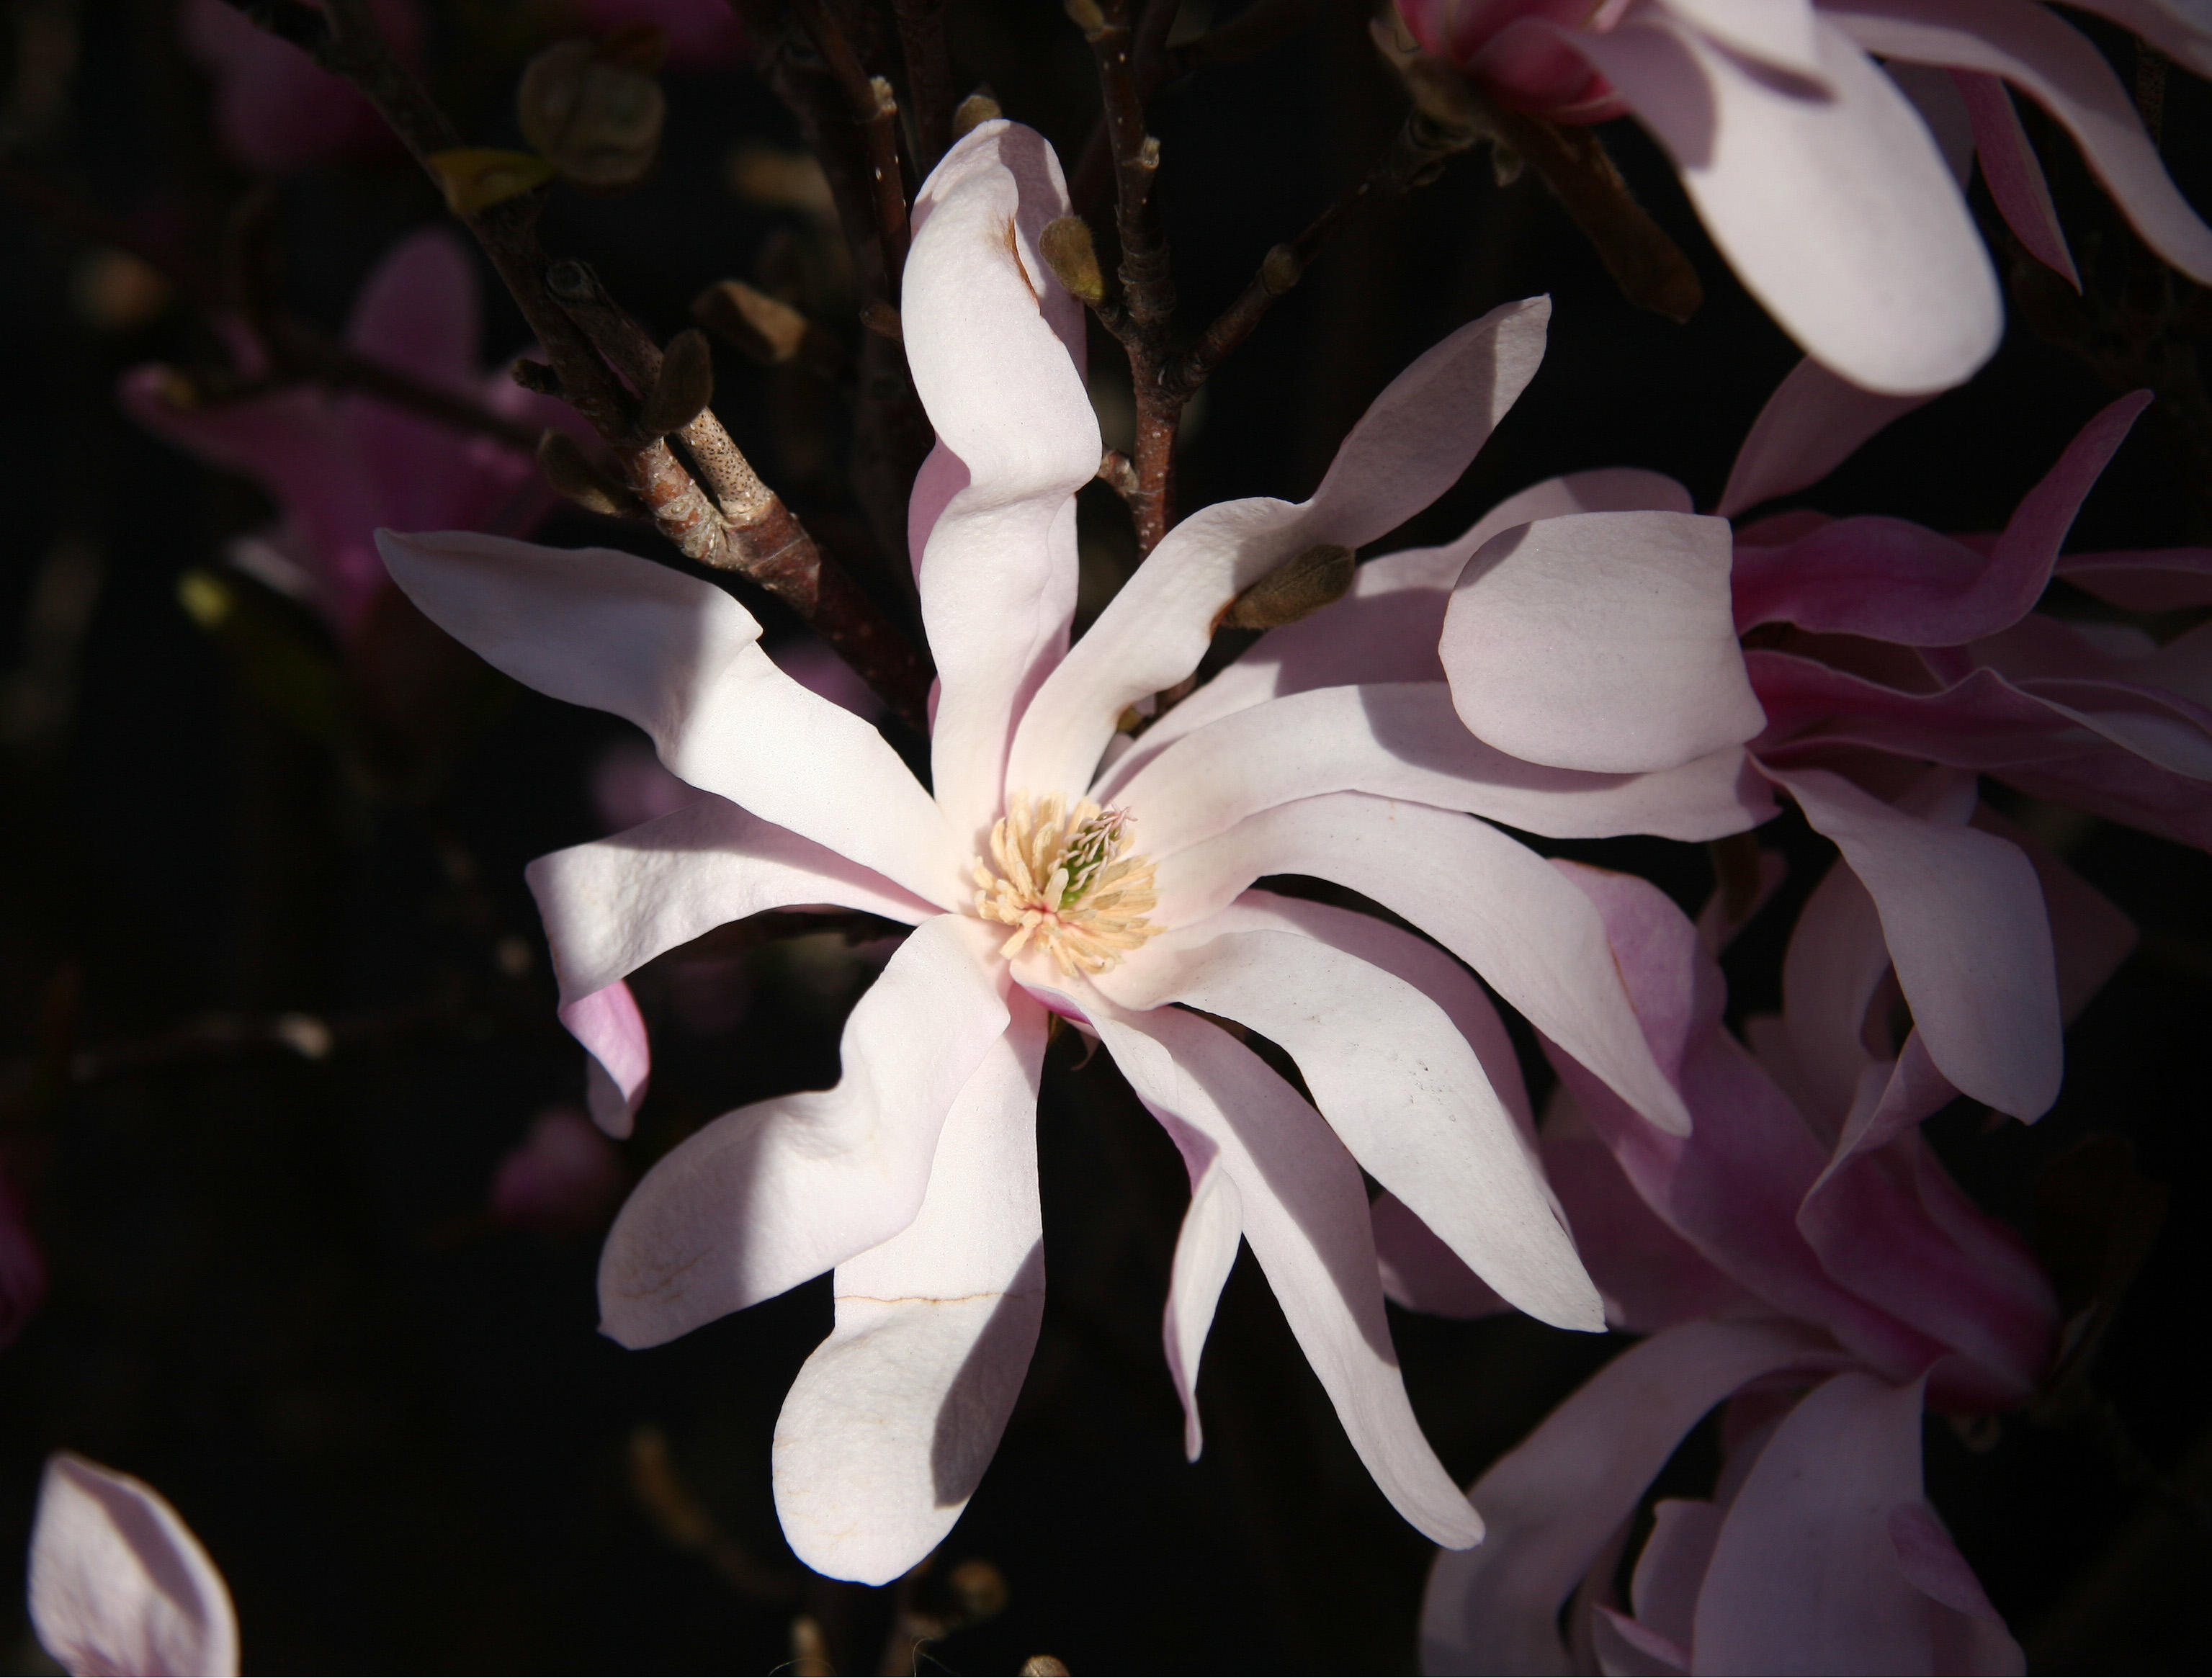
(1065, 878)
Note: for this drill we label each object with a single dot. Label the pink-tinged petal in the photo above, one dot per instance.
(1403, 740)
(886, 1432)
(1410, 446)
(1836, 962)
(681, 659)
(2090, 935)
(1386, 629)
(1981, 722)
(1896, 581)
(769, 1195)
(1488, 899)
(612, 905)
(1671, 1567)
(276, 109)
(1778, 32)
(418, 310)
(2014, 176)
(1651, 1277)
(1811, 425)
(1420, 1273)
(1626, 1648)
(987, 332)
(1204, 1253)
(1554, 1500)
(1733, 1187)
(607, 1024)
(1806, 1575)
(1963, 915)
(119, 1584)
(1603, 641)
(2051, 62)
(563, 1178)
(1302, 1207)
(1401, 1087)
(1837, 210)
(2149, 579)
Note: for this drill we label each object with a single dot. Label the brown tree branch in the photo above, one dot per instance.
(875, 112)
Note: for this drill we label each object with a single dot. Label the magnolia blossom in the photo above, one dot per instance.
(341, 464)
(119, 1584)
(278, 110)
(1895, 665)
(1053, 867)
(1812, 170)
(1800, 1256)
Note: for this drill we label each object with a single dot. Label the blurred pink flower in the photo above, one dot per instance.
(563, 1178)
(701, 34)
(22, 1267)
(1334, 753)
(276, 108)
(341, 464)
(1800, 1255)
(119, 1584)
(1812, 169)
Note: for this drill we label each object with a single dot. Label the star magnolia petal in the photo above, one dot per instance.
(1038, 876)
(119, 1584)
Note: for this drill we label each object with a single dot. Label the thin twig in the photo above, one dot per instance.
(1147, 289)
(876, 114)
(928, 76)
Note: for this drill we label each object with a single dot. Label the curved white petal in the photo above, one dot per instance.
(2014, 172)
(1555, 1499)
(1811, 425)
(1204, 1253)
(987, 331)
(773, 1194)
(681, 659)
(1386, 629)
(1305, 1210)
(1402, 741)
(2055, 65)
(2181, 28)
(119, 1584)
(1489, 899)
(1837, 211)
(612, 905)
(608, 1024)
(887, 1431)
(1408, 448)
(1776, 32)
(1603, 641)
(1398, 1085)
(1963, 915)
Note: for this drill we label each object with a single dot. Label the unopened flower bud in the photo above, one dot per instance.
(685, 387)
(1068, 251)
(1086, 16)
(572, 474)
(973, 112)
(475, 178)
(1044, 1666)
(596, 121)
(978, 1590)
(765, 328)
(1298, 588)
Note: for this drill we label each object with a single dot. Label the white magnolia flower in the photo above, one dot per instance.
(1051, 867)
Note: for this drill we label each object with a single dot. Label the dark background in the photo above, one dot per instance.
(275, 1292)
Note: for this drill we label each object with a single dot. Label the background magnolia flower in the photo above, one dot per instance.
(340, 466)
(1913, 662)
(1812, 169)
(119, 1584)
(564, 1177)
(1801, 1249)
(276, 108)
(22, 1267)
(1338, 757)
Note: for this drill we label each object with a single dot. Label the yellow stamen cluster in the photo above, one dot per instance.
(1065, 878)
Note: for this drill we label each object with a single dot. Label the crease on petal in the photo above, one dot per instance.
(893, 1419)
(769, 1195)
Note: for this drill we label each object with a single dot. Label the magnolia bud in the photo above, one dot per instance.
(1044, 1666)
(475, 178)
(973, 112)
(596, 121)
(765, 328)
(1068, 250)
(572, 473)
(685, 387)
(1298, 588)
